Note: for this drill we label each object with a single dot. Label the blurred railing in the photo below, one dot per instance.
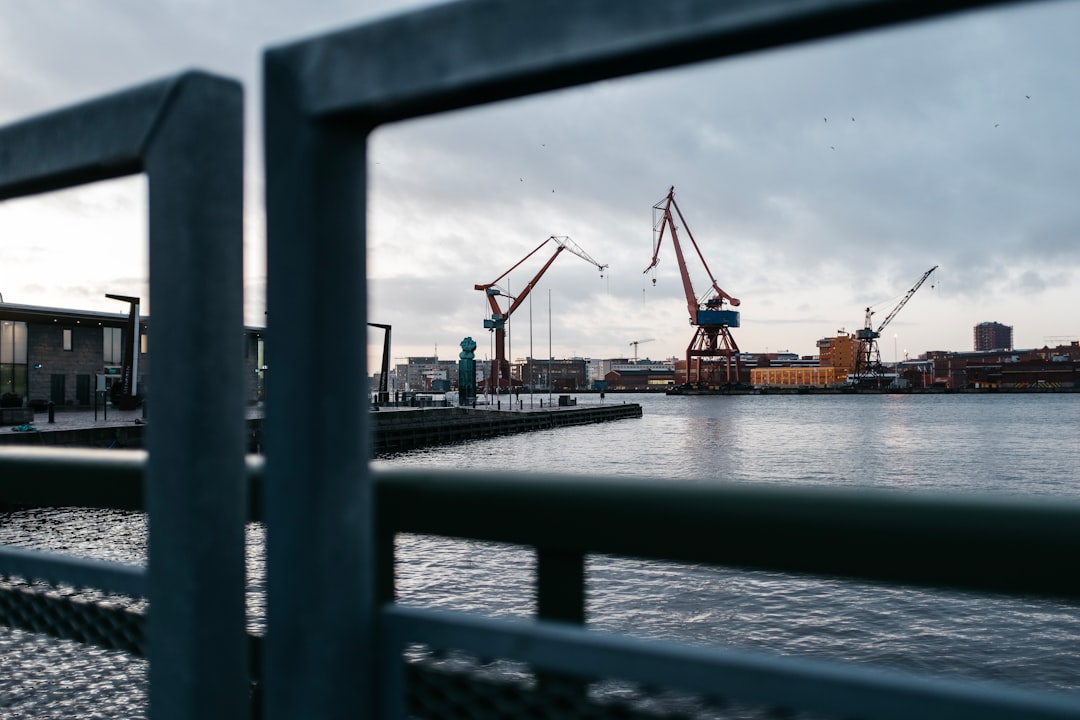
(185, 134)
(330, 518)
(950, 543)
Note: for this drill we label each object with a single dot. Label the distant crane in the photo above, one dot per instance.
(500, 369)
(635, 343)
(712, 339)
(868, 360)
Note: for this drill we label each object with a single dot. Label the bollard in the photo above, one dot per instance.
(541, 403)
(52, 419)
(498, 404)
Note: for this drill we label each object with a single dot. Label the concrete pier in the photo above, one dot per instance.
(409, 429)
(394, 429)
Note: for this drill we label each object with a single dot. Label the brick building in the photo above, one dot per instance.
(57, 355)
(838, 352)
(992, 336)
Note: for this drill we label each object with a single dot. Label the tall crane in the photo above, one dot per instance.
(500, 371)
(712, 338)
(635, 343)
(868, 360)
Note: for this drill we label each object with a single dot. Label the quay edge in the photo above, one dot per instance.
(402, 430)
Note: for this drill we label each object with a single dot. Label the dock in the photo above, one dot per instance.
(409, 429)
(394, 430)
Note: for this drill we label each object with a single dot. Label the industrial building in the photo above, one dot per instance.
(425, 374)
(799, 376)
(642, 376)
(840, 351)
(65, 356)
(1043, 368)
(569, 374)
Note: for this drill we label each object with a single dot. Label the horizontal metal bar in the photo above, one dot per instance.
(78, 572)
(842, 689)
(965, 542)
(96, 140)
(66, 477)
(973, 543)
(72, 477)
(468, 53)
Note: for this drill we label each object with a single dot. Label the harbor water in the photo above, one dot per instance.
(979, 445)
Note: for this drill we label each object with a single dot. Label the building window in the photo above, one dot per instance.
(114, 347)
(67, 338)
(13, 358)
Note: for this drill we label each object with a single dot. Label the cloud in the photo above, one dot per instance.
(817, 180)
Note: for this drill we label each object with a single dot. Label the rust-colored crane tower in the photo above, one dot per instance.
(712, 338)
(500, 371)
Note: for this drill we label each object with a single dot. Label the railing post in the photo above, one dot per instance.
(560, 595)
(186, 134)
(195, 485)
(320, 649)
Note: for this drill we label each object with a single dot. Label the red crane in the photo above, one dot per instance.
(500, 371)
(712, 338)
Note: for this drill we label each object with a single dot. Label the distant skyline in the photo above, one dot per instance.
(818, 180)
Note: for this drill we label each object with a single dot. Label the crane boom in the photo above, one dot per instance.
(667, 221)
(497, 322)
(902, 303)
(868, 359)
(635, 343)
(712, 337)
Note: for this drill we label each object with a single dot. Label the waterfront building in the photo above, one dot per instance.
(797, 376)
(643, 376)
(57, 355)
(840, 351)
(424, 374)
(993, 336)
(567, 374)
(1045, 367)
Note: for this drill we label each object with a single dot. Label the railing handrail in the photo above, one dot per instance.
(977, 543)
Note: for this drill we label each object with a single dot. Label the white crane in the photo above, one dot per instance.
(635, 343)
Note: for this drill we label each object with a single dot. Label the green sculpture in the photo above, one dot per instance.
(467, 372)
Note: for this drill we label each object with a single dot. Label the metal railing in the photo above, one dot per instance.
(330, 518)
(323, 98)
(186, 135)
(940, 542)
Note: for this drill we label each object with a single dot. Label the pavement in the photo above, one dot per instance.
(69, 418)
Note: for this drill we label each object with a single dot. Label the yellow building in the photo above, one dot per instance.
(838, 352)
(797, 376)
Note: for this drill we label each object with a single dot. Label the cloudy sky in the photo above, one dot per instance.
(817, 180)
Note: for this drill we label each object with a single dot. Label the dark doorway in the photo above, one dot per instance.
(56, 389)
(82, 389)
